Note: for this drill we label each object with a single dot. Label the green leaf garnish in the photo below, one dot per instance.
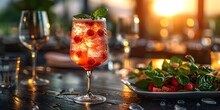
(97, 14)
(82, 16)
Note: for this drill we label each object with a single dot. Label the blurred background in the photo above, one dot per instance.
(164, 27)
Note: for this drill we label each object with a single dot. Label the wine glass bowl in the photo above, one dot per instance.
(89, 49)
(34, 30)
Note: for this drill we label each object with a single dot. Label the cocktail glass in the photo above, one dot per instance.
(89, 49)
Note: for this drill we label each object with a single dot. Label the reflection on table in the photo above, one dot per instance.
(70, 82)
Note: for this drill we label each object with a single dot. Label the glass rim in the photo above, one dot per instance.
(86, 19)
(33, 11)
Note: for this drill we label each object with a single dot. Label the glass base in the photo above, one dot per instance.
(35, 82)
(95, 99)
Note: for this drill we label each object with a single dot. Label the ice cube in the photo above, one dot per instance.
(79, 29)
(93, 52)
(78, 47)
(90, 43)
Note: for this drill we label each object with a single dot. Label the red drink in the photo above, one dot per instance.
(88, 47)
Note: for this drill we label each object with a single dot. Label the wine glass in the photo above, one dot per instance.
(34, 30)
(128, 38)
(89, 49)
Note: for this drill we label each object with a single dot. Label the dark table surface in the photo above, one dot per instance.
(119, 96)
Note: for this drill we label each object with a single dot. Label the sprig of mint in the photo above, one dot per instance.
(97, 14)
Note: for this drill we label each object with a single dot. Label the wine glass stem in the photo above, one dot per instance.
(33, 56)
(126, 56)
(89, 93)
(127, 50)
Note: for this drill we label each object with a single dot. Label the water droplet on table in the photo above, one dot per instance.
(178, 107)
(209, 101)
(71, 90)
(181, 102)
(162, 103)
(51, 92)
(134, 106)
(198, 104)
(56, 106)
(35, 107)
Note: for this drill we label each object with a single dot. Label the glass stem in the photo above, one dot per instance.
(126, 63)
(89, 93)
(33, 56)
(127, 51)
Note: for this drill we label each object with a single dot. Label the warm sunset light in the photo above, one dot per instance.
(168, 7)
